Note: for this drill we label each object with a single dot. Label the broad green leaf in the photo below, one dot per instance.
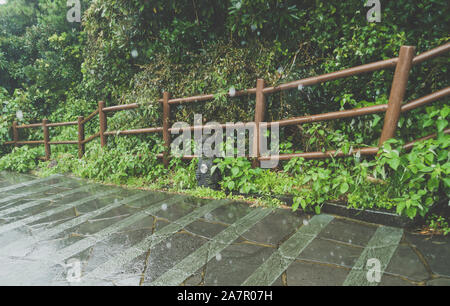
(235, 171)
(441, 124)
(344, 188)
(317, 209)
(394, 163)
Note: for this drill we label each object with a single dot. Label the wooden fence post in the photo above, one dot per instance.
(46, 139)
(260, 109)
(166, 123)
(103, 123)
(398, 91)
(81, 145)
(15, 133)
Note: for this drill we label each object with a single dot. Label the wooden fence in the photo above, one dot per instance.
(393, 110)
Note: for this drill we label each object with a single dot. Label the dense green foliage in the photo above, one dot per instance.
(132, 51)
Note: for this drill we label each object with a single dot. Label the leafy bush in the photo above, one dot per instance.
(438, 224)
(21, 159)
(238, 174)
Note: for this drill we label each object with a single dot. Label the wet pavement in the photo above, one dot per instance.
(67, 231)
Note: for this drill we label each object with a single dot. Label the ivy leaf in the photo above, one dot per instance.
(400, 207)
(411, 212)
(376, 120)
(428, 123)
(446, 182)
(344, 188)
(230, 185)
(433, 183)
(445, 111)
(441, 124)
(394, 163)
(303, 203)
(317, 209)
(235, 171)
(295, 204)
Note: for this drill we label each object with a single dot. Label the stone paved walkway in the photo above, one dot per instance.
(65, 231)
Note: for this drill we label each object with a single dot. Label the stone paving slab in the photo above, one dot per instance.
(435, 252)
(65, 231)
(235, 264)
(308, 274)
(327, 252)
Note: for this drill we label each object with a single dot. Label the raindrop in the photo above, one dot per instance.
(168, 245)
(284, 222)
(215, 281)
(19, 115)
(253, 27)
(349, 241)
(208, 216)
(258, 33)
(305, 222)
(230, 215)
(238, 5)
(219, 257)
(243, 43)
(164, 207)
(332, 253)
(300, 87)
(280, 70)
(230, 262)
(232, 91)
(134, 53)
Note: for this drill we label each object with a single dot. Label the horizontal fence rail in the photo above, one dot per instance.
(392, 110)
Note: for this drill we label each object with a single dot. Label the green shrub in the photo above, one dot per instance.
(21, 159)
